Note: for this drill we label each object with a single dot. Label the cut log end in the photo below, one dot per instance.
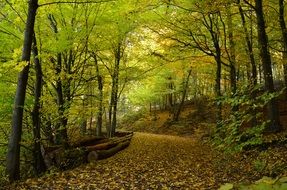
(95, 150)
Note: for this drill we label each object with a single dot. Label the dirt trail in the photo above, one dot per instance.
(150, 162)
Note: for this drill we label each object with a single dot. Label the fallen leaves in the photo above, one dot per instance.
(150, 162)
(157, 162)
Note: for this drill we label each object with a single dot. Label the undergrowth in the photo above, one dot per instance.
(244, 124)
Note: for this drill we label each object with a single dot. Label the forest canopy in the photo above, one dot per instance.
(74, 68)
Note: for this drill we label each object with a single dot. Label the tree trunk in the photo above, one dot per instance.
(214, 33)
(181, 104)
(232, 58)
(13, 154)
(100, 106)
(284, 37)
(61, 130)
(218, 90)
(273, 113)
(170, 93)
(84, 126)
(250, 53)
(115, 105)
(114, 93)
(39, 164)
(249, 46)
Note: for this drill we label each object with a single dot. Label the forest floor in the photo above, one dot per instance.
(154, 161)
(151, 161)
(167, 155)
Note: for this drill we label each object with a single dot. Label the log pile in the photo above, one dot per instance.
(88, 150)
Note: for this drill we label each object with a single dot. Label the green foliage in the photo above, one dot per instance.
(227, 186)
(244, 127)
(6, 104)
(132, 117)
(265, 183)
(159, 41)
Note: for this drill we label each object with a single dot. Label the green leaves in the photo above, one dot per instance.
(244, 127)
(227, 186)
(266, 183)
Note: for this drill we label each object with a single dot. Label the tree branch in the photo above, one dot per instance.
(252, 6)
(11, 6)
(74, 2)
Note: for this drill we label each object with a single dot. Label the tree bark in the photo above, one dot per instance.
(273, 113)
(170, 93)
(61, 130)
(284, 37)
(215, 40)
(184, 91)
(109, 144)
(249, 49)
(100, 106)
(232, 58)
(114, 93)
(39, 164)
(102, 154)
(13, 154)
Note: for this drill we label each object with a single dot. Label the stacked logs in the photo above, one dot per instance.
(88, 150)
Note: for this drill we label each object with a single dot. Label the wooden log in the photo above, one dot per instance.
(120, 139)
(90, 141)
(97, 149)
(112, 143)
(123, 133)
(102, 154)
(103, 146)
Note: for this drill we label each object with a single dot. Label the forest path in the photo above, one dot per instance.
(151, 161)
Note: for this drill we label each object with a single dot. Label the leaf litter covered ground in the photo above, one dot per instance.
(150, 162)
(155, 161)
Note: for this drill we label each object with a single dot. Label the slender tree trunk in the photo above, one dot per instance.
(249, 46)
(61, 133)
(181, 104)
(170, 93)
(273, 113)
(109, 124)
(115, 90)
(218, 88)
(214, 33)
(13, 154)
(284, 37)
(100, 111)
(250, 53)
(39, 164)
(114, 93)
(84, 119)
(61, 130)
(100, 106)
(232, 59)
